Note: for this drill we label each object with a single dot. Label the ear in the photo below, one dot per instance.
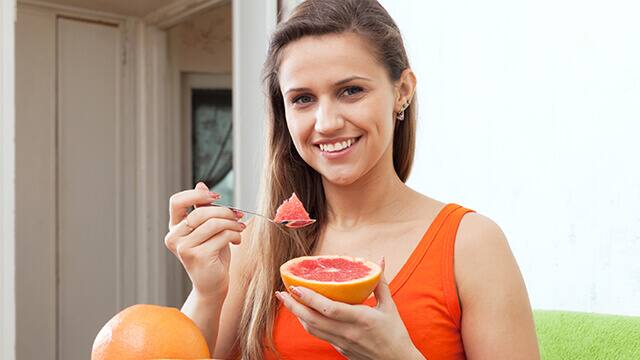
(405, 87)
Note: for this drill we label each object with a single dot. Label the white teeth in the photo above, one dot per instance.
(337, 146)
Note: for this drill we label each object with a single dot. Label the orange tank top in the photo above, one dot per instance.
(425, 294)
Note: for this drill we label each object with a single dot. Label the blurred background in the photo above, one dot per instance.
(528, 113)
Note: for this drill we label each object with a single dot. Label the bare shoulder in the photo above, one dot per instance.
(479, 234)
(496, 313)
(481, 250)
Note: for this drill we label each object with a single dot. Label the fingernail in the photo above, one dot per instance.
(278, 296)
(214, 194)
(296, 291)
(238, 214)
(244, 226)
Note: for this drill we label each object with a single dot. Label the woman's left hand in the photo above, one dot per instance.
(356, 331)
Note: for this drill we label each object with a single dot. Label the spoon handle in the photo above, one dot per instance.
(246, 211)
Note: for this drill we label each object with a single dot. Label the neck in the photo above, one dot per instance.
(375, 198)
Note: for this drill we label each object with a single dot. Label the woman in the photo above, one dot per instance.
(342, 136)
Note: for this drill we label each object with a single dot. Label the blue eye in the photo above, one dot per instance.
(303, 99)
(352, 90)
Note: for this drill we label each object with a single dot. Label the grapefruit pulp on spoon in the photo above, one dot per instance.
(341, 278)
(292, 212)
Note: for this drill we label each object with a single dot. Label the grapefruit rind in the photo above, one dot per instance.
(351, 292)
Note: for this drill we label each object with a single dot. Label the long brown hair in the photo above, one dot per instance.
(286, 171)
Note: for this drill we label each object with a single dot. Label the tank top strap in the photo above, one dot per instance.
(447, 237)
(423, 246)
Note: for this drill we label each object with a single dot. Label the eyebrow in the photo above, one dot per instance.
(343, 81)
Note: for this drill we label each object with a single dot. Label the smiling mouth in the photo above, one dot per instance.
(338, 146)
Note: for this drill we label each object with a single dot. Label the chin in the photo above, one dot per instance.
(340, 179)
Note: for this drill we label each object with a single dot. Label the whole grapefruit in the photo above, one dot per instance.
(149, 332)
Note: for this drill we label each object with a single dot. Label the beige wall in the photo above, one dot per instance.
(203, 43)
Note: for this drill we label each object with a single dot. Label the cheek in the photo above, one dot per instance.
(374, 117)
(299, 132)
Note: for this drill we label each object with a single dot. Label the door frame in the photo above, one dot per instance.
(7, 180)
(188, 82)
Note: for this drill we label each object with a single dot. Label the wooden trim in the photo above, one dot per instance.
(178, 11)
(156, 167)
(84, 14)
(90, 21)
(127, 164)
(7, 180)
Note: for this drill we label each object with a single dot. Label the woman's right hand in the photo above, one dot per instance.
(200, 239)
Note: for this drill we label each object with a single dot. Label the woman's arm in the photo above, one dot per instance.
(206, 314)
(227, 344)
(218, 319)
(497, 322)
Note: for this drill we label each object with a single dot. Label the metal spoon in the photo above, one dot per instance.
(292, 224)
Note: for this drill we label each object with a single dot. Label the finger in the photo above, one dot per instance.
(327, 307)
(200, 215)
(202, 186)
(333, 339)
(219, 241)
(183, 228)
(175, 233)
(209, 229)
(309, 315)
(341, 351)
(382, 292)
(181, 202)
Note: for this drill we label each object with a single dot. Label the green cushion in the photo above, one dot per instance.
(572, 335)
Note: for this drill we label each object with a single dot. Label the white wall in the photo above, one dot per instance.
(530, 114)
(253, 22)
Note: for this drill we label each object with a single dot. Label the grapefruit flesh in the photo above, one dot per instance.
(291, 209)
(341, 278)
(330, 269)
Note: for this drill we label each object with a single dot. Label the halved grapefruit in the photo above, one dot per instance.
(341, 278)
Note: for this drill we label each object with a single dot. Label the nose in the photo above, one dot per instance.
(328, 118)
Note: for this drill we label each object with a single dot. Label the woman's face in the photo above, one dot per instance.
(339, 105)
